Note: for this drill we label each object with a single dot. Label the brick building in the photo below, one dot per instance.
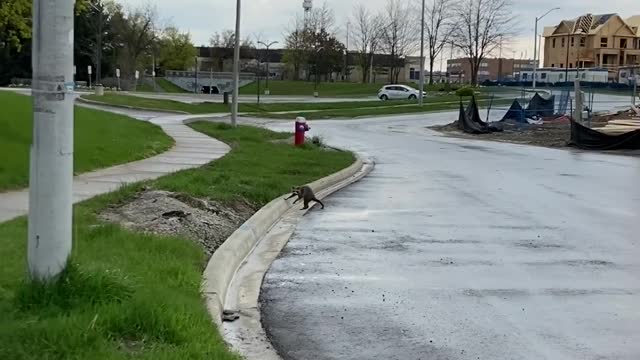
(490, 69)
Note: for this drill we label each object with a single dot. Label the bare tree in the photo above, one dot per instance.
(480, 26)
(135, 33)
(322, 18)
(398, 35)
(438, 29)
(366, 33)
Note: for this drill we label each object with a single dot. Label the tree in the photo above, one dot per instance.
(438, 29)
(398, 35)
(176, 49)
(15, 23)
(296, 48)
(328, 54)
(481, 24)
(93, 36)
(366, 34)
(135, 35)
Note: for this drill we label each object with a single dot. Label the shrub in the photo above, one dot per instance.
(464, 91)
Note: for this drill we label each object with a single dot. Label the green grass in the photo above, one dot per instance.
(158, 104)
(130, 295)
(144, 87)
(304, 88)
(168, 86)
(429, 106)
(101, 139)
(256, 169)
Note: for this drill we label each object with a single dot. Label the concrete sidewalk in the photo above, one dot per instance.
(192, 149)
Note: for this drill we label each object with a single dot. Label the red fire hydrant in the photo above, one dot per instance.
(300, 130)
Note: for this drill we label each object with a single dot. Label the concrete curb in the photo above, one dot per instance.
(225, 263)
(93, 102)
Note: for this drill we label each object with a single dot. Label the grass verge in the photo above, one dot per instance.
(347, 113)
(168, 86)
(101, 139)
(158, 104)
(131, 295)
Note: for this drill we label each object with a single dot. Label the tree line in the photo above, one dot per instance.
(107, 37)
(475, 28)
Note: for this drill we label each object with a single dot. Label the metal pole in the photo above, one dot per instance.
(236, 68)
(267, 79)
(420, 92)
(51, 166)
(99, 52)
(211, 80)
(195, 75)
(535, 52)
(153, 73)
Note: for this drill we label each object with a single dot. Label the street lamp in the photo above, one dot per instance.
(421, 95)
(100, 11)
(267, 46)
(236, 67)
(315, 87)
(535, 44)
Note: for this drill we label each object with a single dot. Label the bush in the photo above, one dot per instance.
(465, 91)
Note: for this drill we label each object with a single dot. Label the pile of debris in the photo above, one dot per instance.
(208, 223)
(621, 131)
(469, 120)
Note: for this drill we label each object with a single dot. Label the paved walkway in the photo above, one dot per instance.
(192, 149)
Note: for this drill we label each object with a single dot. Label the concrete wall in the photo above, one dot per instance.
(223, 81)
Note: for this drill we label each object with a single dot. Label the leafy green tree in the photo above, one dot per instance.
(176, 49)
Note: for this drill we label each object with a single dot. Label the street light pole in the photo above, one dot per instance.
(421, 90)
(51, 166)
(267, 46)
(535, 45)
(236, 68)
(100, 11)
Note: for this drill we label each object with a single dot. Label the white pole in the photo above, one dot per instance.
(51, 166)
(535, 52)
(236, 68)
(421, 89)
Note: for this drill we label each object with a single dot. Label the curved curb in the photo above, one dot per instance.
(129, 107)
(221, 273)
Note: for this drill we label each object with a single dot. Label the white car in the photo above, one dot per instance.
(399, 92)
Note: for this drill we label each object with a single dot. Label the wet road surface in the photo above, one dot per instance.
(453, 249)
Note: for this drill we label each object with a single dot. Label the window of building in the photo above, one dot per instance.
(413, 74)
(584, 75)
(583, 42)
(561, 76)
(573, 41)
(484, 64)
(623, 43)
(562, 65)
(553, 43)
(524, 76)
(562, 43)
(603, 42)
(543, 75)
(553, 65)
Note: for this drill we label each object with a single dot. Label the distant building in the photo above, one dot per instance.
(558, 75)
(494, 69)
(593, 41)
(409, 68)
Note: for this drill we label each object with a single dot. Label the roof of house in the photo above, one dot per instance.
(634, 22)
(588, 24)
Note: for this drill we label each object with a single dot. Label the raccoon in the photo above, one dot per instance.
(306, 194)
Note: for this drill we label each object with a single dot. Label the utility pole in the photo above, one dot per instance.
(195, 75)
(267, 46)
(100, 10)
(236, 68)
(421, 90)
(346, 54)
(51, 166)
(535, 45)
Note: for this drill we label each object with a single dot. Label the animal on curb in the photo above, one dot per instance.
(306, 194)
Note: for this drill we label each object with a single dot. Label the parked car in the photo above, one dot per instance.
(398, 92)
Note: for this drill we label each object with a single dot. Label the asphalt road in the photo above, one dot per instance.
(454, 249)
(199, 98)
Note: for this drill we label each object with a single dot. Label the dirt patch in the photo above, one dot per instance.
(208, 223)
(553, 133)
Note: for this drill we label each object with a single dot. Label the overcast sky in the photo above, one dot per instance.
(270, 18)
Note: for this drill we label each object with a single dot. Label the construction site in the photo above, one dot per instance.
(557, 118)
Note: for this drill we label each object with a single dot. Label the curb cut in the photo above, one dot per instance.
(230, 258)
(128, 107)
